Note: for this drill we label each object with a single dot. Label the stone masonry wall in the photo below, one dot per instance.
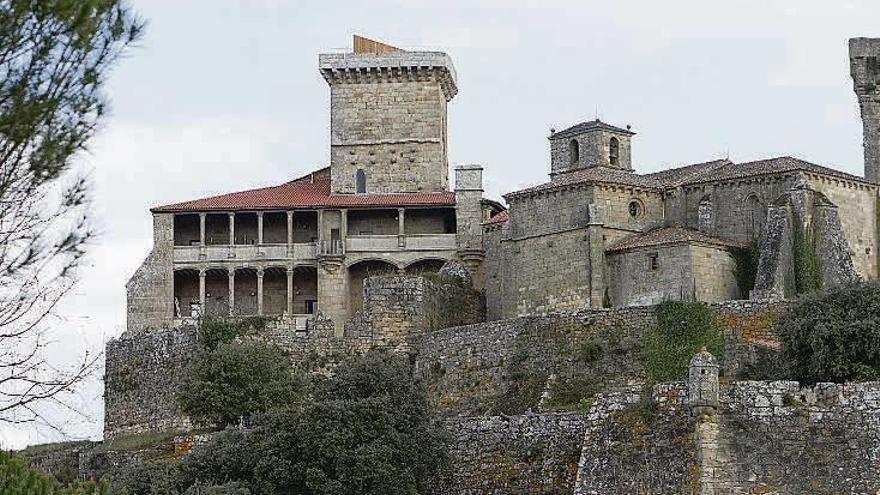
(632, 282)
(144, 371)
(533, 454)
(150, 290)
(779, 437)
(394, 131)
(469, 369)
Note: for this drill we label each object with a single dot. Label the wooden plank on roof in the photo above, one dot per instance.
(366, 45)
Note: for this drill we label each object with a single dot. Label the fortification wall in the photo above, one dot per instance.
(475, 369)
(533, 454)
(779, 437)
(143, 373)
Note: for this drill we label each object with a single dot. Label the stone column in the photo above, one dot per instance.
(232, 229)
(320, 231)
(260, 291)
(401, 228)
(596, 257)
(259, 228)
(290, 234)
(290, 291)
(232, 292)
(202, 275)
(343, 227)
(202, 228)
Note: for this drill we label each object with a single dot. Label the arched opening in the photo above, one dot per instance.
(216, 292)
(357, 273)
(705, 214)
(245, 292)
(360, 179)
(574, 152)
(614, 151)
(755, 217)
(424, 266)
(186, 293)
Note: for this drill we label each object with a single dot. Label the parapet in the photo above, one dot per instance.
(395, 66)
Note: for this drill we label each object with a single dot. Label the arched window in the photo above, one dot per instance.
(574, 152)
(636, 209)
(755, 216)
(360, 178)
(614, 151)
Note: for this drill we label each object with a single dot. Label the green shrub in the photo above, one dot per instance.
(367, 430)
(683, 328)
(238, 379)
(17, 478)
(214, 331)
(833, 336)
(807, 265)
(573, 393)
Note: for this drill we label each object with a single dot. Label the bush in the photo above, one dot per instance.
(366, 430)
(238, 379)
(683, 328)
(833, 336)
(16, 477)
(214, 331)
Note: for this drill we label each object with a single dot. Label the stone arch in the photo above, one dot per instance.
(425, 265)
(614, 151)
(755, 216)
(360, 180)
(358, 272)
(574, 152)
(186, 293)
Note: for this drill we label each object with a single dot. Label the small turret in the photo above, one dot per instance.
(703, 383)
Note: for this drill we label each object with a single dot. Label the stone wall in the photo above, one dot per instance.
(779, 437)
(478, 369)
(593, 150)
(144, 372)
(864, 54)
(635, 446)
(632, 281)
(150, 290)
(533, 454)
(398, 305)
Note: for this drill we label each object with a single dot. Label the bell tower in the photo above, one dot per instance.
(388, 118)
(590, 144)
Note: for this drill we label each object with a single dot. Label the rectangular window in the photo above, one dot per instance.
(653, 261)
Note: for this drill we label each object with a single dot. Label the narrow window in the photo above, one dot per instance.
(614, 151)
(360, 181)
(574, 152)
(653, 262)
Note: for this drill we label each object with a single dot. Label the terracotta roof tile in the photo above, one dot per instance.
(669, 235)
(310, 191)
(501, 217)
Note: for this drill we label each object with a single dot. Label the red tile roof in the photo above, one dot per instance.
(669, 235)
(310, 191)
(500, 217)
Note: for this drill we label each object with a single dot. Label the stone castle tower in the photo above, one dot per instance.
(864, 60)
(388, 118)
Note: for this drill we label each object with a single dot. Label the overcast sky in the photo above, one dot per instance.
(225, 95)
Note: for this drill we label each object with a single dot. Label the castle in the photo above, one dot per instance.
(571, 273)
(597, 234)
